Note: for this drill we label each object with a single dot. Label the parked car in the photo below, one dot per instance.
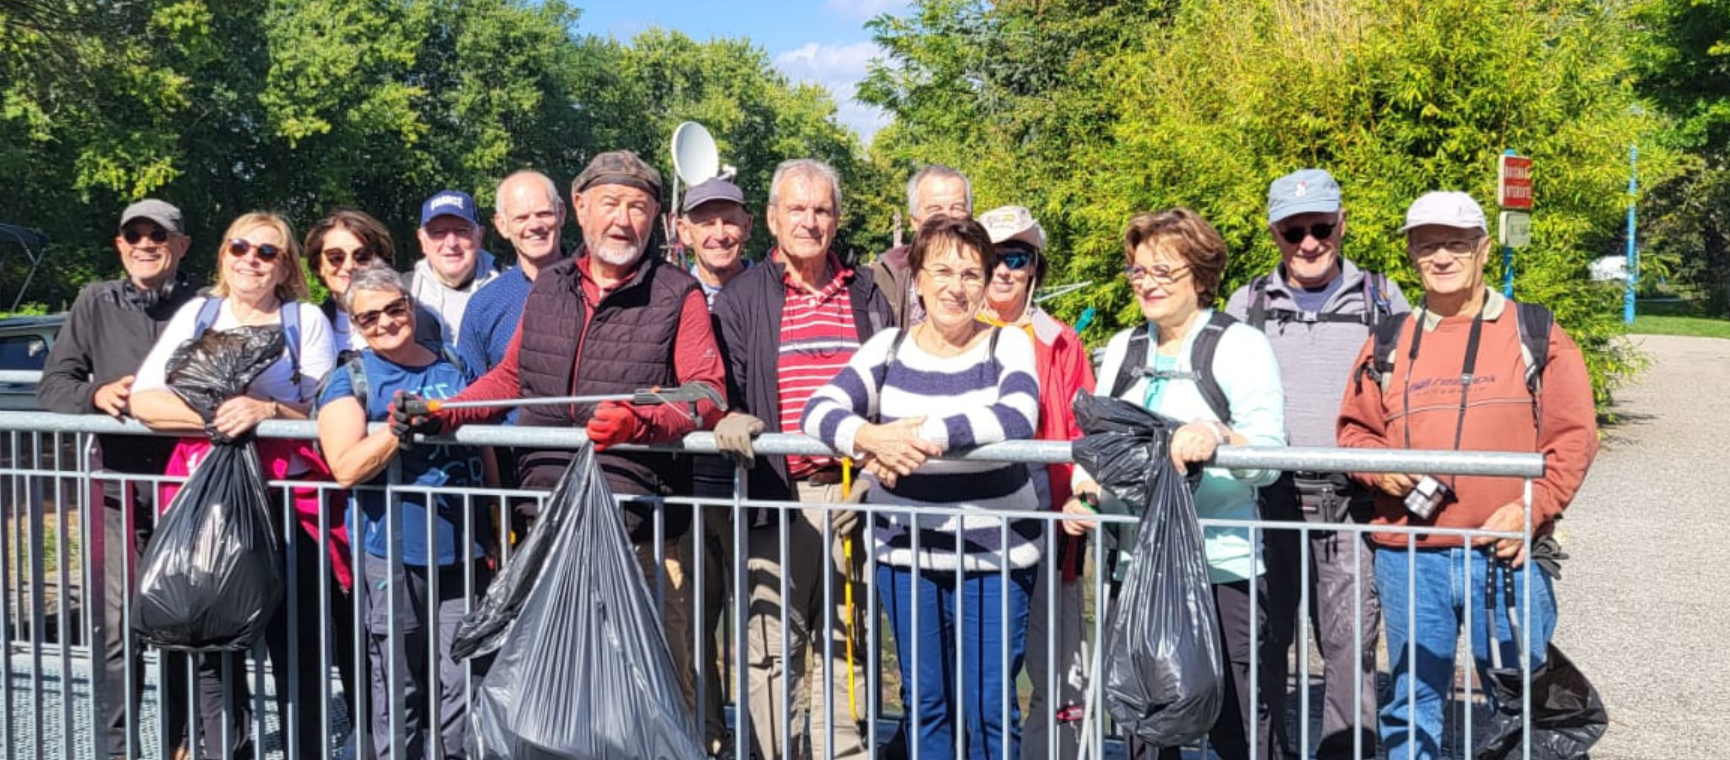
(24, 344)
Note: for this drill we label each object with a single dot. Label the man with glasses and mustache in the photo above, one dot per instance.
(90, 370)
(452, 265)
(1470, 370)
(1316, 308)
(612, 320)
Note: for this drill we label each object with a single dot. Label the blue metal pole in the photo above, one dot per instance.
(1633, 244)
(1508, 256)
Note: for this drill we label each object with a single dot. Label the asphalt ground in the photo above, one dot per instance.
(1645, 596)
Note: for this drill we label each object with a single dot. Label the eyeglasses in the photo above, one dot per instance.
(239, 247)
(971, 278)
(1319, 231)
(1161, 274)
(1016, 260)
(397, 310)
(156, 235)
(337, 256)
(1455, 247)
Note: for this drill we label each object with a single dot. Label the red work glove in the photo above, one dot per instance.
(614, 423)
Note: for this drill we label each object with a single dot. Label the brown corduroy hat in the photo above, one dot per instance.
(619, 167)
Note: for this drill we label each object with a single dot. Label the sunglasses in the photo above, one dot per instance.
(398, 311)
(239, 247)
(1016, 260)
(337, 256)
(156, 235)
(1319, 231)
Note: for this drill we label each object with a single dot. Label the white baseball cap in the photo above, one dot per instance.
(1446, 208)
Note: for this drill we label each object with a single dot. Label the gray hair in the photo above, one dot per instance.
(935, 171)
(374, 277)
(547, 183)
(805, 167)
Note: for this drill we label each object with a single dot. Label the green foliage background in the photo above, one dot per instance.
(1202, 103)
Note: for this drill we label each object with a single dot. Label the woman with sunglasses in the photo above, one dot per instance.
(950, 382)
(1173, 260)
(393, 363)
(1054, 659)
(258, 282)
(338, 245)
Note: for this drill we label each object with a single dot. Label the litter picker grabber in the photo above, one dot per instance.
(689, 393)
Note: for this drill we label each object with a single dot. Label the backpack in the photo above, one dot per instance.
(1377, 307)
(1533, 321)
(1201, 354)
(354, 367)
(290, 310)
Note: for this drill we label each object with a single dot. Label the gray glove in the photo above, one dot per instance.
(845, 521)
(733, 437)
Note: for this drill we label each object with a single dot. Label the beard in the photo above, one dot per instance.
(616, 255)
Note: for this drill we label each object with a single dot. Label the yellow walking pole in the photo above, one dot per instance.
(847, 556)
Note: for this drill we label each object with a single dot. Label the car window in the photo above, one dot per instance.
(23, 352)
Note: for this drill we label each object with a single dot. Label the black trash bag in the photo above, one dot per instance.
(218, 365)
(1163, 670)
(583, 672)
(1568, 715)
(483, 629)
(212, 577)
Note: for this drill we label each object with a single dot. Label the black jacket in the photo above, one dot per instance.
(108, 332)
(747, 317)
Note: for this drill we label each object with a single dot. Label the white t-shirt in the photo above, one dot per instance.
(317, 354)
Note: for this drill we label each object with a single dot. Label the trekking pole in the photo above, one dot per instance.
(847, 591)
(689, 393)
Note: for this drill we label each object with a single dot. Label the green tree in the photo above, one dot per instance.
(1204, 102)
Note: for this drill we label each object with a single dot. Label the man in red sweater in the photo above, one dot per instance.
(608, 321)
(1458, 382)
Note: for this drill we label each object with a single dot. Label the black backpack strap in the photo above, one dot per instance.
(1134, 359)
(1381, 360)
(1201, 355)
(1534, 323)
(1258, 302)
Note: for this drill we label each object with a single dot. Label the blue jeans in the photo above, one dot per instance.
(1411, 717)
(985, 689)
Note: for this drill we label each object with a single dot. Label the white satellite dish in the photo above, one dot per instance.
(695, 158)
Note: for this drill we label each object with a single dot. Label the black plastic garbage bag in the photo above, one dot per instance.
(212, 576)
(583, 672)
(218, 365)
(1568, 716)
(1163, 672)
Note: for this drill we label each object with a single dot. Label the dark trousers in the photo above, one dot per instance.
(1229, 736)
(123, 675)
(1345, 613)
(420, 620)
(223, 695)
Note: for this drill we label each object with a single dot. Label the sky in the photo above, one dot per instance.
(819, 41)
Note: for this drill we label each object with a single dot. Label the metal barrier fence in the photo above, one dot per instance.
(63, 688)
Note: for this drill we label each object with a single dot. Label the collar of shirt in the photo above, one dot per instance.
(837, 281)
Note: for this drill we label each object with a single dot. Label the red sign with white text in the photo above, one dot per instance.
(1514, 184)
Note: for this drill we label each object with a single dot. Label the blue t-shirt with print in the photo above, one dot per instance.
(423, 465)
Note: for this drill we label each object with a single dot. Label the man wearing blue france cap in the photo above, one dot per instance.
(1316, 308)
(452, 265)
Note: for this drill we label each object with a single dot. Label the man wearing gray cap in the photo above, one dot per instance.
(1316, 309)
(714, 225)
(110, 328)
(609, 321)
(1469, 371)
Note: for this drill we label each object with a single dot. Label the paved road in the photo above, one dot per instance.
(1645, 599)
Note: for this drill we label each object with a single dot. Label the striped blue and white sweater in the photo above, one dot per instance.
(975, 398)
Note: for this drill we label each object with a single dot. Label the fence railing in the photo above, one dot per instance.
(59, 555)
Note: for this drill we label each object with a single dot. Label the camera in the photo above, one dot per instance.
(1426, 497)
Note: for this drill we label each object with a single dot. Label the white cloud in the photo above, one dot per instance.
(839, 69)
(864, 9)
